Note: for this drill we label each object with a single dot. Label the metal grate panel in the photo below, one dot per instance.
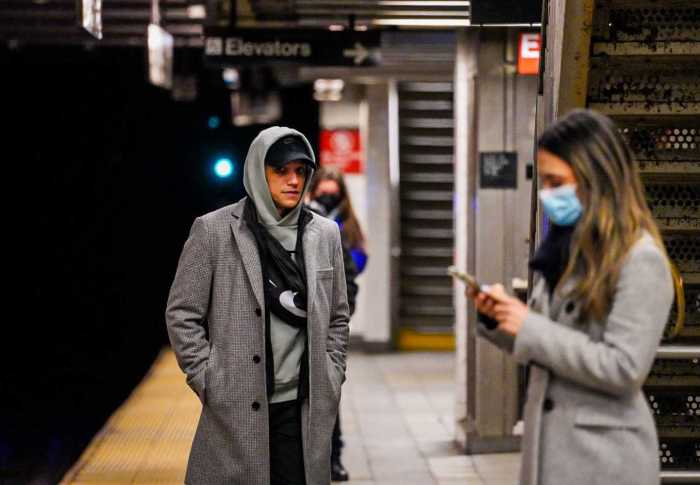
(664, 145)
(679, 454)
(691, 330)
(684, 250)
(674, 373)
(646, 28)
(645, 74)
(674, 200)
(621, 80)
(663, 139)
(652, 22)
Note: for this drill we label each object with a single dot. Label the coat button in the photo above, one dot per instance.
(258, 312)
(256, 406)
(256, 359)
(570, 307)
(548, 405)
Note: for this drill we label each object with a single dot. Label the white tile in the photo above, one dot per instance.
(451, 467)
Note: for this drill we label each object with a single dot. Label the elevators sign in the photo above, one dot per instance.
(498, 170)
(307, 46)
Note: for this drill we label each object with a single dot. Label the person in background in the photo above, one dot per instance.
(595, 317)
(328, 190)
(329, 197)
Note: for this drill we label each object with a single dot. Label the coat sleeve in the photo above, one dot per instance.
(338, 330)
(350, 275)
(619, 363)
(187, 307)
(486, 327)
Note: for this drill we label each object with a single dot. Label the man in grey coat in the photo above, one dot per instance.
(258, 319)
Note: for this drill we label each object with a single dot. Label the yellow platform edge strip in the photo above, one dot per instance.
(413, 340)
(99, 439)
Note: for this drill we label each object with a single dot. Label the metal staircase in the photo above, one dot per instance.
(426, 185)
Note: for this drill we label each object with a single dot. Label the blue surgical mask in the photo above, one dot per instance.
(561, 205)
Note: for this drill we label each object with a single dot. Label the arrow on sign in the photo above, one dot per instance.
(359, 53)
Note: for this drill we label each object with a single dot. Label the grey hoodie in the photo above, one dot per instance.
(287, 341)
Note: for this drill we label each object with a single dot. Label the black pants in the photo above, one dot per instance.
(286, 449)
(337, 440)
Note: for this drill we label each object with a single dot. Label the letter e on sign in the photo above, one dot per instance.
(529, 53)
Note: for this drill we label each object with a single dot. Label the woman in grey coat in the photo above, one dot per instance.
(595, 317)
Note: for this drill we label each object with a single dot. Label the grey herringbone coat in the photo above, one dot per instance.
(587, 421)
(218, 286)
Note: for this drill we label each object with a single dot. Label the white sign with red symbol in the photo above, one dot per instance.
(342, 149)
(529, 53)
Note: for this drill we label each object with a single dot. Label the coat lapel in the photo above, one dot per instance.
(560, 297)
(539, 298)
(310, 241)
(249, 252)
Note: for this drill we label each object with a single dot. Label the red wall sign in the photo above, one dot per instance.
(529, 53)
(342, 149)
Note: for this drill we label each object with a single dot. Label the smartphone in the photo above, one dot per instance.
(466, 277)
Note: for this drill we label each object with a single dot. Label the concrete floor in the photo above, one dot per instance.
(396, 418)
(398, 429)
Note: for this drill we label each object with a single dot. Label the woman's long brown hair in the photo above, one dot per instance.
(351, 227)
(615, 208)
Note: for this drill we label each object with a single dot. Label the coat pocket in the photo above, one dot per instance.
(333, 376)
(198, 383)
(612, 417)
(326, 273)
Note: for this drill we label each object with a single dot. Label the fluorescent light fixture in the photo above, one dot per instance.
(91, 16)
(420, 13)
(361, 28)
(231, 77)
(336, 27)
(422, 3)
(160, 56)
(423, 22)
(196, 11)
(329, 84)
(249, 108)
(328, 89)
(537, 24)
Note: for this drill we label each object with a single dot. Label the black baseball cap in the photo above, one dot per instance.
(288, 149)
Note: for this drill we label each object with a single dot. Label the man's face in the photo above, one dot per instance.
(286, 184)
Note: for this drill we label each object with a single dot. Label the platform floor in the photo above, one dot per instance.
(396, 419)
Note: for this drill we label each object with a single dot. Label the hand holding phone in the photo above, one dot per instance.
(468, 279)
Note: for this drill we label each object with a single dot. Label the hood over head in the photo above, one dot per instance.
(255, 182)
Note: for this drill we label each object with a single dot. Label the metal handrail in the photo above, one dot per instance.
(680, 303)
(691, 476)
(678, 352)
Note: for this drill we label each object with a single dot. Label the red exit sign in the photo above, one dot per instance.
(342, 149)
(529, 53)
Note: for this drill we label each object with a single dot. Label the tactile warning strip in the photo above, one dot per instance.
(148, 439)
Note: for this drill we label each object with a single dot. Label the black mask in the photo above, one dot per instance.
(328, 201)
